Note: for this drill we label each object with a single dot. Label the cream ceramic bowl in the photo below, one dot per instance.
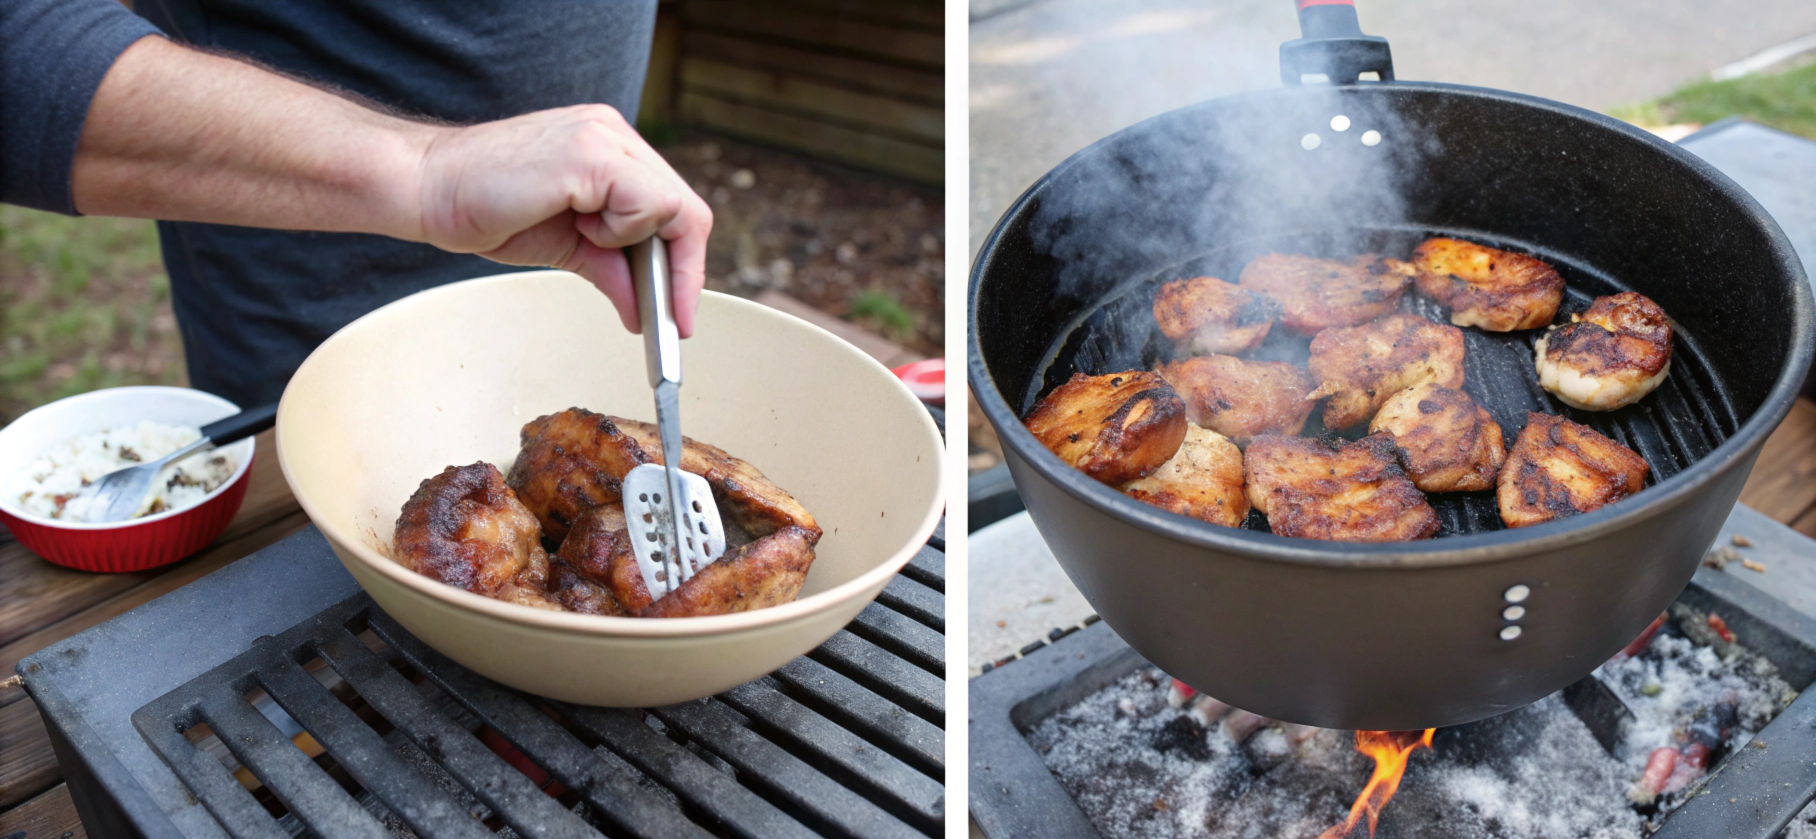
(449, 376)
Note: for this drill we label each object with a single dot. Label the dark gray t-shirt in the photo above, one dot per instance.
(252, 303)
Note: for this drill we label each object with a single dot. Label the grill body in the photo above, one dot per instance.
(1398, 636)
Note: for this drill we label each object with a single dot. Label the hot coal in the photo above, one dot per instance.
(1140, 767)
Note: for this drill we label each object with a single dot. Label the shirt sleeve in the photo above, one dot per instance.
(53, 54)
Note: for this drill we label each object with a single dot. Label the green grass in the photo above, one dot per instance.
(883, 311)
(84, 304)
(1785, 100)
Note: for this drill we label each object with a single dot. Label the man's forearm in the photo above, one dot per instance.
(182, 135)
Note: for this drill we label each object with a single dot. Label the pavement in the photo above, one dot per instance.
(1048, 77)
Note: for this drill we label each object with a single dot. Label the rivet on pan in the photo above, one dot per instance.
(1508, 633)
(1310, 141)
(1371, 138)
(1339, 123)
(1518, 594)
(1513, 613)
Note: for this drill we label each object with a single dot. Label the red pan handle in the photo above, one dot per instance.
(1332, 46)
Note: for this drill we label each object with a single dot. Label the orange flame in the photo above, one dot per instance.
(1390, 750)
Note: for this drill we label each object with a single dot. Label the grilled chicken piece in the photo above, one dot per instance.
(1497, 290)
(1356, 492)
(1115, 428)
(465, 528)
(1242, 399)
(1359, 367)
(743, 494)
(1558, 468)
(571, 462)
(1203, 481)
(1317, 294)
(1205, 315)
(596, 573)
(1609, 356)
(1447, 442)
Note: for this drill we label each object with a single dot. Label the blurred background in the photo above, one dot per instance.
(1049, 77)
(814, 129)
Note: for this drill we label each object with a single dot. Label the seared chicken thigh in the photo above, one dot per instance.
(1203, 481)
(1242, 399)
(1609, 356)
(571, 462)
(1356, 492)
(1359, 367)
(1558, 468)
(1115, 428)
(1447, 442)
(1316, 294)
(1205, 315)
(1497, 290)
(465, 528)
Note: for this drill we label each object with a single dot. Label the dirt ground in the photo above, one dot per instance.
(85, 304)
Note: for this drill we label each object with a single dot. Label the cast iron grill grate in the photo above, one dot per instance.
(1678, 424)
(347, 726)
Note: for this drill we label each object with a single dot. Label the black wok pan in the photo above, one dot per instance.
(1409, 635)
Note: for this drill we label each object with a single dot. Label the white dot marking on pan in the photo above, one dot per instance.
(1339, 123)
(1518, 594)
(1310, 141)
(1508, 633)
(1513, 613)
(1371, 138)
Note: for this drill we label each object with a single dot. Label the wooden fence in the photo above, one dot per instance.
(860, 82)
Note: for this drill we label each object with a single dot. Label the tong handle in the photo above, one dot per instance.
(656, 310)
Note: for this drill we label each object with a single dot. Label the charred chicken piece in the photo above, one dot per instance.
(1558, 468)
(744, 495)
(1609, 356)
(465, 528)
(1203, 481)
(1355, 492)
(1205, 315)
(1242, 399)
(571, 462)
(1493, 289)
(597, 574)
(1447, 442)
(1115, 428)
(1359, 367)
(1317, 294)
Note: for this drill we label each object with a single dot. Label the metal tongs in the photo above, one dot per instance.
(670, 548)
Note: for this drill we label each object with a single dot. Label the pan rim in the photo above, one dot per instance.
(1466, 549)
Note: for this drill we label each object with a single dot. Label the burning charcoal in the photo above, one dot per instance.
(1297, 734)
(1184, 734)
(1240, 724)
(1659, 766)
(1721, 627)
(1639, 644)
(1179, 694)
(1207, 711)
(1710, 726)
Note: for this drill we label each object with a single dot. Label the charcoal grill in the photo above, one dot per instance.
(846, 741)
(1755, 793)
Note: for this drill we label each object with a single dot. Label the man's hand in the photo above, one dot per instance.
(567, 188)
(178, 134)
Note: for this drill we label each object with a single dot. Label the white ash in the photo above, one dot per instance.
(1140, 768)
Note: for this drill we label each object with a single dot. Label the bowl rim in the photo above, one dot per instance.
(620, 627)
(1498, 545)
(240, 469)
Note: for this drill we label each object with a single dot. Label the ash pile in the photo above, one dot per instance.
(1607, 758)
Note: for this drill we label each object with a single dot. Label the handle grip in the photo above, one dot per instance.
(241, 425)
(656, 310)
(1332, 45)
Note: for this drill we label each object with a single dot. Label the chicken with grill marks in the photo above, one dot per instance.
(571, 462)
(1558, 468)
(466, 528)
(1203, 481)
(1115, 428)
(1493, 289)
(1447, 442)
(1609, 356)
(1355, 492)
(1242, 399)
(1359, 367)
(1205, 315)
(1317, 294)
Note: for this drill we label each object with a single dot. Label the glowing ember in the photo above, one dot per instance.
(1390, 750)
